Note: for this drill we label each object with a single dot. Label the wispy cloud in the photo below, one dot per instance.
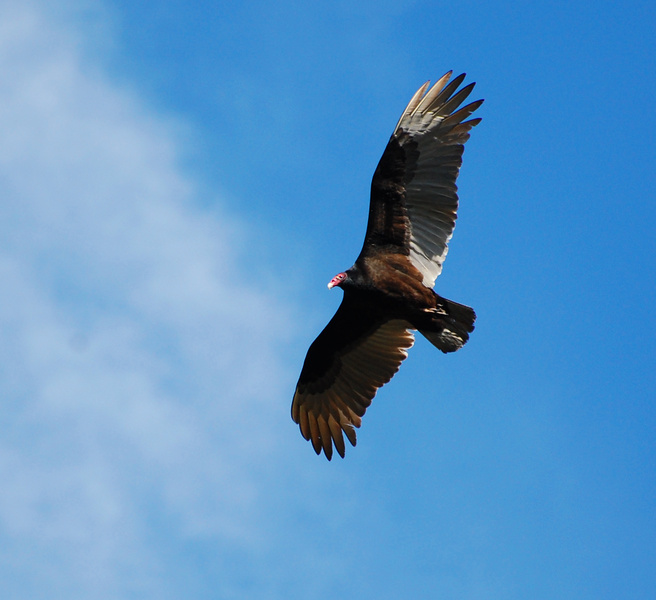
(138, 365)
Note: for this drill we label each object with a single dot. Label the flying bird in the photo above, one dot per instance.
(388, 292)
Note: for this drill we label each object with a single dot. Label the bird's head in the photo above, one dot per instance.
(339, 279)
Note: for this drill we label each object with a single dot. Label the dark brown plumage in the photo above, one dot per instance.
(388, 291)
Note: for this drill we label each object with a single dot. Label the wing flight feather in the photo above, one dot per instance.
(342, 374)
(414, 197)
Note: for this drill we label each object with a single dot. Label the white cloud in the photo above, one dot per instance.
(139, 368)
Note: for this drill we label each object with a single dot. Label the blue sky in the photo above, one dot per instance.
(180, 182)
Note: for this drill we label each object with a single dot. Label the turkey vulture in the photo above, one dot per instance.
(389, 290)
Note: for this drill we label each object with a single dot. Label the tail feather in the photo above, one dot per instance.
(451, 326)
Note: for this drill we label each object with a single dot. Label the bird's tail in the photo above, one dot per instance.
(451, 325)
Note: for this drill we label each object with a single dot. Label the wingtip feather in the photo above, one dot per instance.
(414, 101)
(437, 88)
(326, 437)
(338, 438)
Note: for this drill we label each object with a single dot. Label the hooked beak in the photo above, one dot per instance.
(331, 284)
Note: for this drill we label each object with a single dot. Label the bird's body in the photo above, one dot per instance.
(388, 291)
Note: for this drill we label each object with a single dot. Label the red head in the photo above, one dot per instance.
(337, 280)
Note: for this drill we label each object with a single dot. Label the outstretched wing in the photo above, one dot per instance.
(357, 352)
(414, 199)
